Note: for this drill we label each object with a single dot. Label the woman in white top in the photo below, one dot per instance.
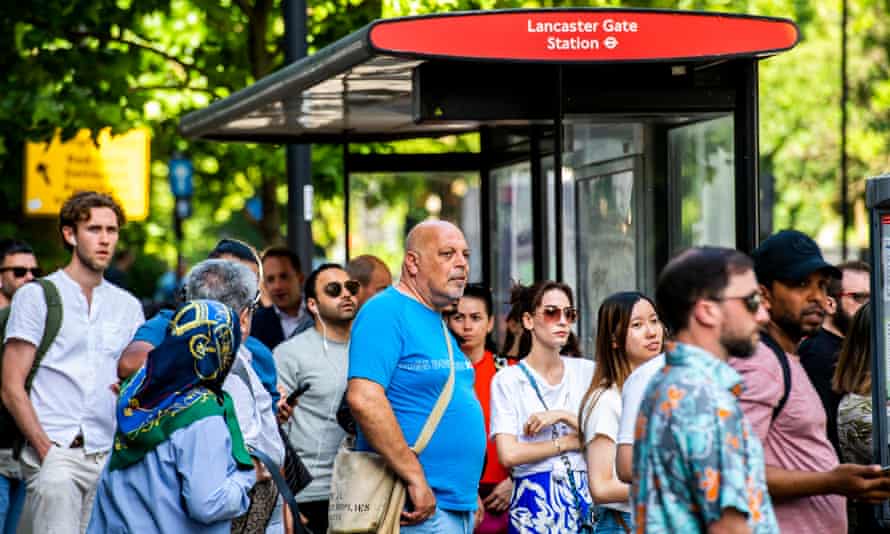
(628, 335)
(533, 417)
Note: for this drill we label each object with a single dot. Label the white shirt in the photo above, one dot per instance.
(632, 396)
(603, 420)
(253, 408)
(71, 392)
(513, 400)
(289, 323)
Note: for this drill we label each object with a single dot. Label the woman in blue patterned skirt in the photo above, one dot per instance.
(534, 423)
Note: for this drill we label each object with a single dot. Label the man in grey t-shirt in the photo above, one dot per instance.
(318, 358)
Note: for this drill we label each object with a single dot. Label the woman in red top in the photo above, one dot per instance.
(472, 322)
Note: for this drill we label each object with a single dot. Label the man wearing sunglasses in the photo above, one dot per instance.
(317, 359)
(808, 485)
(18, 266)
(819, 352)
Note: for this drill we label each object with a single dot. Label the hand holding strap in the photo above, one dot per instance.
(429, 427)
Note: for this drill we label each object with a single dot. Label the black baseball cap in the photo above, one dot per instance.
(790, 255)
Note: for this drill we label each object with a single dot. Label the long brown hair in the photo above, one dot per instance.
(526, 299)
(612, 365)
(853, 371)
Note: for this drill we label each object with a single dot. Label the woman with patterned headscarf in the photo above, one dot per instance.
(179, 463)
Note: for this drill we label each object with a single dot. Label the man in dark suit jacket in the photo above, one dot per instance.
(283, 280)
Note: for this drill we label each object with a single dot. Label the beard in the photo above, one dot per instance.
(842, 319)
(792, 327)
(738, 347)
(90, 263)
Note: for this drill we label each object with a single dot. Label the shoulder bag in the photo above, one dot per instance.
(366, 494)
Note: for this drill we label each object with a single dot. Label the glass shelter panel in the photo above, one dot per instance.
(383, 207)
(701, 163)
(512, 249)
(602, 163)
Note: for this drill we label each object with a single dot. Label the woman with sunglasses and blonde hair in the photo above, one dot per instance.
(533, 417)
(628, 335)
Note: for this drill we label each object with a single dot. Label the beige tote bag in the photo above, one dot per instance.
(366, 495)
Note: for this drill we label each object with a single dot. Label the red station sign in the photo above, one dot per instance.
(583, 35)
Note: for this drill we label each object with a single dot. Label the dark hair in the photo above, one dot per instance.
(612, 365)
(697, 273)
(10, 246)
(77, 209)
(853, 371)
(526, 299)
(234, 247)
(284, 252)
(309, 291)
(362, 267)
(481, 292)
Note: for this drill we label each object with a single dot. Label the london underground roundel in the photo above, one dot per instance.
(583, 35)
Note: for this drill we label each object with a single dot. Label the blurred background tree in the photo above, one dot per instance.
(72, 64)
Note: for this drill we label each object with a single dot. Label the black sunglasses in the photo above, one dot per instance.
(334, 289)
(752, 302)
(20, 272)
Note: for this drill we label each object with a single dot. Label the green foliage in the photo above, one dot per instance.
(93, 63)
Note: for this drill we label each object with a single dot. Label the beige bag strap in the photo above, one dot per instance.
(429, 427)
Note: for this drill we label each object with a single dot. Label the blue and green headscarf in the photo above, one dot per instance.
(180, 383)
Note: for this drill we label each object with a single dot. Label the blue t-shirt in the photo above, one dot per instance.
(398, 343)
(153, 330)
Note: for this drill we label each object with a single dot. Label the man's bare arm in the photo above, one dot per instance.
(18, 356)
(864, 482)
(373, 414)
(132, 358)
(731, 522)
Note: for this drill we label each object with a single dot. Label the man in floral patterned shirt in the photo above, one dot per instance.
(697, 465)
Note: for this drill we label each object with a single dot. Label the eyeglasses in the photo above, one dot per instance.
(335, 289)
(552, 313)
(752, 302)
(20, 272)
(860, 297)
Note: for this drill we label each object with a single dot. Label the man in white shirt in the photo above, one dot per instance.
(68, 417)
(282, 278)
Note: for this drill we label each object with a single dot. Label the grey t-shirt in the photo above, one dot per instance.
(313, 430)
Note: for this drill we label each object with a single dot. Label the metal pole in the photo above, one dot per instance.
(845, 210)
(299, 157)
(557, 174)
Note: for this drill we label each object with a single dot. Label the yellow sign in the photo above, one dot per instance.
(117, 165)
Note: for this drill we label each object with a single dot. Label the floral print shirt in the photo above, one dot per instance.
(695, 453)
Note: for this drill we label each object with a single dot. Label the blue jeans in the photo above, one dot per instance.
(443, 522)
(607, 524)
(12, 497)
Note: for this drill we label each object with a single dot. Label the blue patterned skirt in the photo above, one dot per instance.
(543, 503)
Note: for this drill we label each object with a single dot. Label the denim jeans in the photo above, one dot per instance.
(443, 522)
(12, 497)
(606, 523)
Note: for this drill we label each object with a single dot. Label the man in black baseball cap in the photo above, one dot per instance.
(794, 278)
(807, 484)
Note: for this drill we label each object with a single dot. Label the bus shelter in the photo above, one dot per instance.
(608, 139)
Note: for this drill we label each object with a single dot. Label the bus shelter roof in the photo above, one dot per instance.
(363, 87)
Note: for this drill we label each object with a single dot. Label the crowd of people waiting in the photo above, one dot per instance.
(725, 404)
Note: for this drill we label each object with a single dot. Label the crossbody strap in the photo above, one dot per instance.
(429, 427)
(283, 488)
(565, 459)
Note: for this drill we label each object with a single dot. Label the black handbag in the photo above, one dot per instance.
(296, 474)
